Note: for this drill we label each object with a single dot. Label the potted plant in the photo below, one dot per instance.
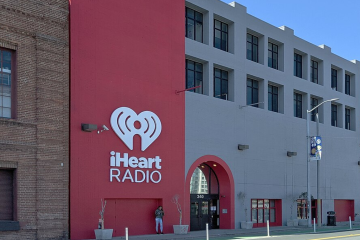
(244, 224)
(291, 221)
(101, 232)
(179, 229)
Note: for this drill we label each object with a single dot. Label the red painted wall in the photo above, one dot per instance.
(226, 189)
(344, 209)
(125, 54)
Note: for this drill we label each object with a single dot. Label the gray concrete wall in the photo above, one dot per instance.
(216, 127)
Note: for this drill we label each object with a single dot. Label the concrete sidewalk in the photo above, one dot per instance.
(229, 233)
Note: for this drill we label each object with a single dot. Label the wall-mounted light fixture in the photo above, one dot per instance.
(291, 154)
(243, 147)
(104, 128)
(87, 127)
(359, 163)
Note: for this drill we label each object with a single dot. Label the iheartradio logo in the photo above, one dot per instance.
(123, 123)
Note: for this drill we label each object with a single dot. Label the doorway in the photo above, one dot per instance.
(204, 199)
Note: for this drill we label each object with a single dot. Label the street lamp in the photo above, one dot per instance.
(307, 157)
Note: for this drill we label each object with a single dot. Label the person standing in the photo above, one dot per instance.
(159, 213)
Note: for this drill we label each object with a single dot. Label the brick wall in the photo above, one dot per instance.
(37, 140)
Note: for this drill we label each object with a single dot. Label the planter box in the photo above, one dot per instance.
(103, 233)
(246, 225)
(303, 222)
(181, 229)
(293, 223)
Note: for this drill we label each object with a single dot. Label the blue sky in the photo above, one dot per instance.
(335, 23)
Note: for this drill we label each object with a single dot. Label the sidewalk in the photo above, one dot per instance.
(230, 233)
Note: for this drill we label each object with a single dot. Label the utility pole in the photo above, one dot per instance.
(318, 178)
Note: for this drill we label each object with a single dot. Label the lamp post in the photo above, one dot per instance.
(308, 159)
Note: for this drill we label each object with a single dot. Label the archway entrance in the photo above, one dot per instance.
(204, 198)
(215, 205)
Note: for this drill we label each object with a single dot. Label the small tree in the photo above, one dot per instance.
(175, 200)
(241, 196)
(102, 211)
(293, 201)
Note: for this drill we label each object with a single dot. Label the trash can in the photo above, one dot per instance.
(331, 218)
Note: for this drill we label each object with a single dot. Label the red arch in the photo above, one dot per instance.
(226, 188)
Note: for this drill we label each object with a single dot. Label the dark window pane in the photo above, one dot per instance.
(190, 79)
(224, 74)
(224, 27)
(198, 67)
(217, 73)
(270, 102)
(6, 56)
(249, 38)
(255, 40)
(190, 29)
(217, 89)
(198, 32)
(198, 83)
(190, 65)
(248, 51)
(255, 53)
(198, 17)
(217, 24)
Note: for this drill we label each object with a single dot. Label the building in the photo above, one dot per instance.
(129, 126)
(249, 115)
(34, 120)
(242, 155)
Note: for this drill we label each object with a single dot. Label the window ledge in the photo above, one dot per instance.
(9, 225)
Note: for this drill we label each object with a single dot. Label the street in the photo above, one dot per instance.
(344, 235)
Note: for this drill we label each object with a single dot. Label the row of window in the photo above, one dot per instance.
(194, 30)
(194, 78)
(335, 113)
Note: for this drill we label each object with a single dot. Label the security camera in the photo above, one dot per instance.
(105, 128)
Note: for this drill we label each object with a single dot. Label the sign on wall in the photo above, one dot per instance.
(315, 148)
(138, 169)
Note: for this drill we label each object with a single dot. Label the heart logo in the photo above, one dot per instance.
(123, 123)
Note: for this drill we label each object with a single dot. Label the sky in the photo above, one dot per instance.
(335, 23)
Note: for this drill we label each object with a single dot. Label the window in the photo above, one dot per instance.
(252, 48)
(297, 65)
(347, 118)
(297, 105)
(313, 103)
(204, 181)
(7, 194)
(194, 25)
(273, 98)
(252, 96)
(347, 84)
(273, 54)
(334, 79)
(314, 71)
(263, 210)
(220, 84)
(302, 208)
(220, 35)
(194, 76)
(334, 115)
(6, 75)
